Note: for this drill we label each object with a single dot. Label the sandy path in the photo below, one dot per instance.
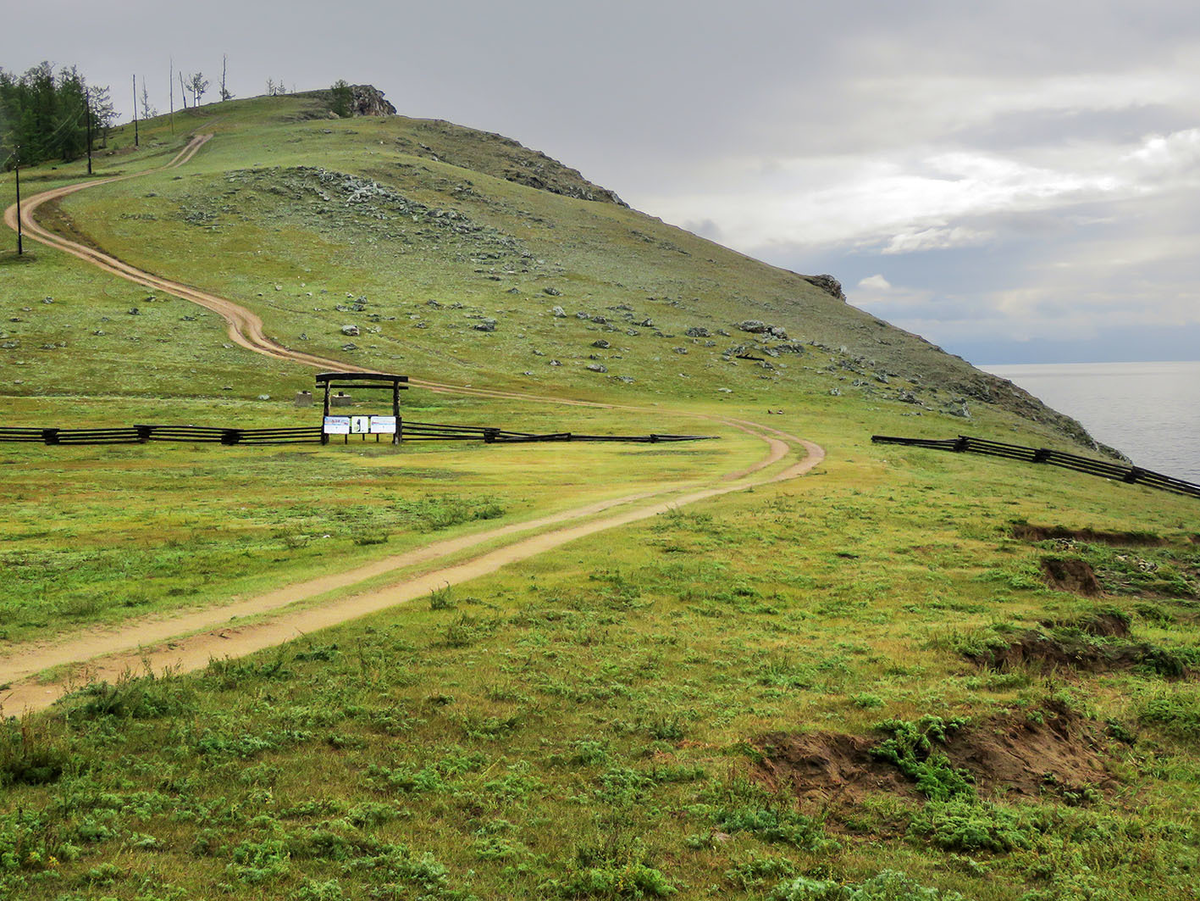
(189, 641)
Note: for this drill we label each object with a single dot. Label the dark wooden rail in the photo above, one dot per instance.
(1103, 468)
(409, 431)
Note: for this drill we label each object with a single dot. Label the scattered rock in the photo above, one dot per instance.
(601, 343)
(559, 313)
(350, 346)
(487, 325)
(553, 292)
(597, 367)
(754, 326)
(698, 331)
(264, 397)
(350, 331)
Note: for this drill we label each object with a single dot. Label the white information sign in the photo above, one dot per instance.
(360, 425)
(383, 425)
(337, 425)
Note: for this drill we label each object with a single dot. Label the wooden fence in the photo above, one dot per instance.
(1116, 471)
(409, 431)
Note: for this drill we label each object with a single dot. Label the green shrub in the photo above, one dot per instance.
(911, 749)
(885, 886)
(134, 697)
(778, 826)
(755, 872)
(961, 825)
(440, 598)
(256, 862)
(311, 890)
(1175, 713)
(29, 754)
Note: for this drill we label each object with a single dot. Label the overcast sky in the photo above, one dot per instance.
(1013, 180)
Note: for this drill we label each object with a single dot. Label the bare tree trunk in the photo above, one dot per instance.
(182, 90)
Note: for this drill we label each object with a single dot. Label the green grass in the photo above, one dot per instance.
(588, 723)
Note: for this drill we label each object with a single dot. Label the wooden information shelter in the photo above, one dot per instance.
(357, 381)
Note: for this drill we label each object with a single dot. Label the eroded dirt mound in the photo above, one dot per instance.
(1106, 624)
(1029, 532)
(1051, 750)
(1070, 574)
(827, 767)
(1096, 645)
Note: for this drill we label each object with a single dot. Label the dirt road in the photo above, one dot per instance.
(188, 641)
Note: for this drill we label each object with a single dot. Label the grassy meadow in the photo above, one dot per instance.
(908, 674)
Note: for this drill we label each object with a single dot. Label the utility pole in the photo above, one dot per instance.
(18, 171)
(88, 113)
(136, 143)
(171, 85)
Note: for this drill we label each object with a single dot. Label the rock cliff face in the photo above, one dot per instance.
(368, 101)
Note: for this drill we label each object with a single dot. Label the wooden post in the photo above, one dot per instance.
(396, 411)
(325, 415)
(18, 171)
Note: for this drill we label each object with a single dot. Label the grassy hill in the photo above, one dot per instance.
(909, 674)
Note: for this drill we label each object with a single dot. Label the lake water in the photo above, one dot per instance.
(1148, 411)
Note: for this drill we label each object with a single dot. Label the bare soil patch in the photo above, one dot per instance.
(1052, 750)
(1070, 574)
(827, 768)
(1029, 532)
(1100, 644)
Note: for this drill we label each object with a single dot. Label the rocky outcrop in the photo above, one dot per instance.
(826, 283)
(367, 100)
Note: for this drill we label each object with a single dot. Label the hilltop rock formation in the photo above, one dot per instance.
(368, 101)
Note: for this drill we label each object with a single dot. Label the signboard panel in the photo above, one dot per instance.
(337, 425)
(360, 425)
(383, 425)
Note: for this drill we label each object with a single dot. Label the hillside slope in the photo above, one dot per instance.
(463, 254)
